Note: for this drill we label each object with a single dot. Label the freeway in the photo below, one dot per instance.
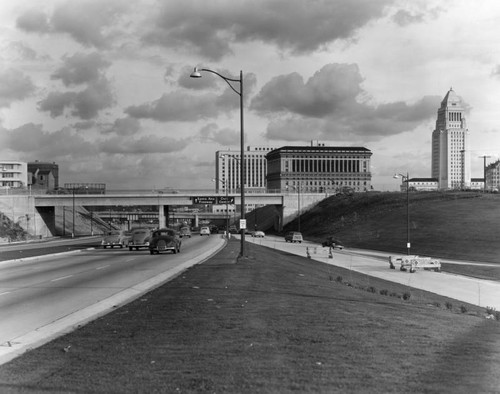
(42, 297)
(484, 293)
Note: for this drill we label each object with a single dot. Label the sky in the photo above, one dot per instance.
(102, 87)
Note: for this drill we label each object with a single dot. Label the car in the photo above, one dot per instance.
(139, 239)
(293, 236)
(114, 238)
(258, 234)
(165, 239)
(185, 232)
(233, 229)
(204, 230)
(332, 242)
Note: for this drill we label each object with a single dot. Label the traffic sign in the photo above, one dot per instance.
(204, 200)
(243, 224)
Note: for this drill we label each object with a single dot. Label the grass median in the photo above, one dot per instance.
(271, 322)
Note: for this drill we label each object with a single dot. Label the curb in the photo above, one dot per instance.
(17, 346)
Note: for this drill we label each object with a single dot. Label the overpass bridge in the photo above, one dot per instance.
(46, 214)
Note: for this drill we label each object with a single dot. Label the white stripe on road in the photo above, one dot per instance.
(5, 292)
(104, 266)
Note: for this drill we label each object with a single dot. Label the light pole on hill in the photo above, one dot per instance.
(230, 81)
(406, 178)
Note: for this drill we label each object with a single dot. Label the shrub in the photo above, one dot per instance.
(393, 294)
(449, 305)
(384, 292)
(406, 296)
(490, 310)
(339, 279)
(463, 309)
(437, 304)
(371, 289)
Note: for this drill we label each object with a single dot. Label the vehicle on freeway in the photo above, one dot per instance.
(185, 232)
(114, 238)
(293, 236)
(204, 230)
(332, 242)
(165, 239)
(258, 234)
(412, 263)
(140, 238)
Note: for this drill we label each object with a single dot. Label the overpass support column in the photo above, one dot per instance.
(161, 216)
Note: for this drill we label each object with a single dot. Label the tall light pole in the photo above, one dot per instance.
(406, 178)
(484, 170)
(196, 74)
(73, 232)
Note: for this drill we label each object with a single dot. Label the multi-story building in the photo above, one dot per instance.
(228, 169)
(44, 176)
(492, 172)
(319, 168)
(13, 174)
(451, 164)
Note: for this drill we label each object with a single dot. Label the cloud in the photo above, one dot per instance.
(33, 141)
(14, 86)
(33, 21)
(81, 68)
(327, 91)
(143, 145)
(89, 22)
(84, 104)
(124, 127)
(223, 137)
(329, 106)
(297, 26)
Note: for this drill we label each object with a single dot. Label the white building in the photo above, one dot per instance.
(451, 164)
(13, 174)
(228, 170)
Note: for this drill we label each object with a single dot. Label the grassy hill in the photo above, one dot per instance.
(462, 225)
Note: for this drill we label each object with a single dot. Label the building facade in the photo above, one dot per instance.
(228, 170)
(43, 175)
(451, 163)
(14, 174)
(319, 169)
(493, 176)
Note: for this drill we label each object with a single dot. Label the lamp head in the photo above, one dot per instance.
(195, 73)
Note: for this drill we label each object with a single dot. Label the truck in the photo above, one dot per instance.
(412, 263)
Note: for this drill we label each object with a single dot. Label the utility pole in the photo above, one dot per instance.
(484, 168)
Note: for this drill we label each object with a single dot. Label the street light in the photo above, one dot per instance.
(224, 182)
(196, 74)
(405, 178)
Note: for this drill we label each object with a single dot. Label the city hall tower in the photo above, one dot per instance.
(451, 164)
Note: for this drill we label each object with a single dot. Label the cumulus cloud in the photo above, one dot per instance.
(183, 106)
(329, 106)
(14, 86)
(143, 145)
(84, 104)
(92, 23)
(81, 68)
(31, 139)
(223, 137)
(296, 26)
(124, 127)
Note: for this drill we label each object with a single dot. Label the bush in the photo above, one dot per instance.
(371, 289)
(339, 279)
(393, 294)
(406, 296)
(463, 309)
(384, 292)
(449, 305)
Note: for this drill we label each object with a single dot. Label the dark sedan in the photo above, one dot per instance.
(165, 239)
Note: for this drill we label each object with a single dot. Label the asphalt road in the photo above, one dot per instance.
(373, 263)
(44, 296)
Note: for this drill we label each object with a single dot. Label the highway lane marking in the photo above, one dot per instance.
(102, 267)
(61, 278)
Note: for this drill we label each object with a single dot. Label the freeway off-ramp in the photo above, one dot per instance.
(474, 291)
